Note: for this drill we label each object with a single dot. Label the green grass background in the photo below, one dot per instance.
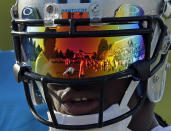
(163, 108)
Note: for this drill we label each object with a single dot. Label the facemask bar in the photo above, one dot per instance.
(16, 39)
(73, 23)
(100, 123)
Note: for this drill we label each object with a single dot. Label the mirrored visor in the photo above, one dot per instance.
(85, 57)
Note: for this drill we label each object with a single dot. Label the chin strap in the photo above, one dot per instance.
(128, 94)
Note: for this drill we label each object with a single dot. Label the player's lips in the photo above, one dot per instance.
(80, 102)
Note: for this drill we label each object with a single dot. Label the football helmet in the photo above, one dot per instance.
(73, 42)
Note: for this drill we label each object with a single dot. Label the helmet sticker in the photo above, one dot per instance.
(30, 13)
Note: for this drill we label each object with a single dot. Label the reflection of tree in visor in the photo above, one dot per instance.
(49, 45)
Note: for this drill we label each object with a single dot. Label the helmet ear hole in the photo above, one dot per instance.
(36, 96)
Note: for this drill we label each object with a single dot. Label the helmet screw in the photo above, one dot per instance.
(49, 9)
(95, 8)
(155, 78)
(168, 66)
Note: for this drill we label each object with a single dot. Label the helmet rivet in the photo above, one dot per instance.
(155, 78)
(95, 11)
(168, 66)
(49, 9)
(95, 8)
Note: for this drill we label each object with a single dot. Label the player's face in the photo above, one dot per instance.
(84, 99)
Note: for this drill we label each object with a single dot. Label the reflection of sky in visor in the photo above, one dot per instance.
(84, 57)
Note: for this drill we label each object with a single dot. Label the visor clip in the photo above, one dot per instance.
(19, 70)
(141, 69)
(49, 23)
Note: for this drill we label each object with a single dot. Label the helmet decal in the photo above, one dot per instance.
(30, 13)
(127, 10)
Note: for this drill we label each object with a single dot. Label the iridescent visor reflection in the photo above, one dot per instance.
(88, 57)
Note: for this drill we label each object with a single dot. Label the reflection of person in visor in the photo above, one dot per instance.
(102, 68)
(45, 56)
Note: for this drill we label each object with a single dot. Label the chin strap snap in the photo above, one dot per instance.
(129, 92)
(19, 70)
